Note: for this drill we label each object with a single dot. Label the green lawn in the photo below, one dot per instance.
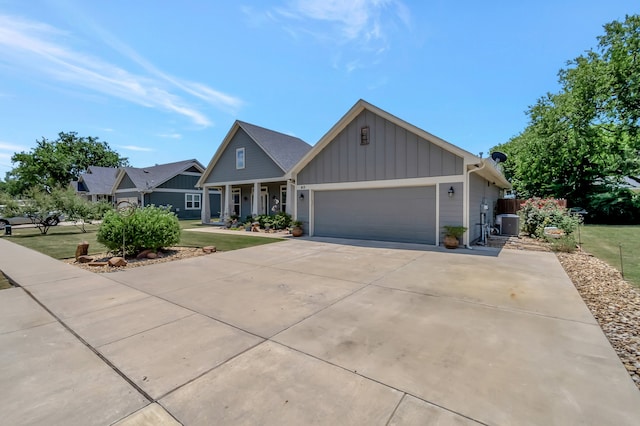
(603, 241)
(4, 282)
(61, 241)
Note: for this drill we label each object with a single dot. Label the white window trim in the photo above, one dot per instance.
(236, 191)
(244, 158)
(195, 199)
(283, 198)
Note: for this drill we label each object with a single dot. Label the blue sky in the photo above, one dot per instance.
(164, 81)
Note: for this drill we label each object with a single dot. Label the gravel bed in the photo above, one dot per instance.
(165, 255)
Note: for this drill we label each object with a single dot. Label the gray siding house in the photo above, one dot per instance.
(251, 160)
(171, 184)
(96, 183)
(375, 176)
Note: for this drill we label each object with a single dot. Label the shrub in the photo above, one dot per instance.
(618, 207)
(149, 227)
(538, 213)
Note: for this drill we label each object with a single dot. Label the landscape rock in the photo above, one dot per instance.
(117, 261)
(84, 258)
(82, 249)
(152, 255)
(144, 254)
(209, 249)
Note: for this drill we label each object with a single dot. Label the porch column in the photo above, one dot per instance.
(291, 198)
(256, 198)
(205, 213)
(227, 203)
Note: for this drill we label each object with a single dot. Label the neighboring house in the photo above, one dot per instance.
(96, 183)
(252, 160)
(171, 184)
(375, 176)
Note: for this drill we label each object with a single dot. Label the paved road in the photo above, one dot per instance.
(318, 331)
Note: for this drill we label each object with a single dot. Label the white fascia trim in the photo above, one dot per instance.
(390, 183)
(184, 191)
(191, 174)
(122, 190)
(244, 182)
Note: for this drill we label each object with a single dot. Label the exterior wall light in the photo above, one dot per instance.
(451, 192)
(302, 196)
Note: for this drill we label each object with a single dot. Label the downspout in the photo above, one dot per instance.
(468, 194)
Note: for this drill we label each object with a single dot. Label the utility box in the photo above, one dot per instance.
(510, 224)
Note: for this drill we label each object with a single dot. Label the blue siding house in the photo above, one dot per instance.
(172, 184)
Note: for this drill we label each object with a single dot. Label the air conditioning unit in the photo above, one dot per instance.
(510, 224)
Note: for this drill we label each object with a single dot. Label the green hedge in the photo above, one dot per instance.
(149, 227)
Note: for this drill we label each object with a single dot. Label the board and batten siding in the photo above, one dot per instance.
(481, 190)
(303, 209)
(392, 153)
(126, 183)
(181, 182)
(451, 208)
(258, 165)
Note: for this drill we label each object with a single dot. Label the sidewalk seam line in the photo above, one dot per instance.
(92, 349)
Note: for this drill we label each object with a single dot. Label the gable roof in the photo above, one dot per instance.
(148, 178)
(471, 160)
(284, 150)
(99, 180)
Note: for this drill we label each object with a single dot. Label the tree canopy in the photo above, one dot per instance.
(584, 140)
(56, 163)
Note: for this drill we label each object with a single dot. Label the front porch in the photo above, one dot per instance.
(238, 200)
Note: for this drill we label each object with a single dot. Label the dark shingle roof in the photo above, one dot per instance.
(150, 177)
(285, 150)
(99, 180)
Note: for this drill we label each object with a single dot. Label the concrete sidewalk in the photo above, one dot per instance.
(307, 332)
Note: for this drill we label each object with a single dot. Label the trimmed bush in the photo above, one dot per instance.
(538, 213)
(281, 220)
(149, 227)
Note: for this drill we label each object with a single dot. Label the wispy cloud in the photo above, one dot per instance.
(170, 135)
(38, 47)
(136, 148)
(366, 25)
(4, 146)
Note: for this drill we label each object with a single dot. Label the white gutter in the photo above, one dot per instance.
(468, 195)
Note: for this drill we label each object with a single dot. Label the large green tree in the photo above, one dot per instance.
(56, 163)
(584, 140)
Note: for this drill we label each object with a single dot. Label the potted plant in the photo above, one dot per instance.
(296, 231)
(452, 233)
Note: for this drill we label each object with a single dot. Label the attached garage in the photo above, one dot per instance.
(385, 214)
(374, 176)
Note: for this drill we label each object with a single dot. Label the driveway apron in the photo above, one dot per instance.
(308, 331)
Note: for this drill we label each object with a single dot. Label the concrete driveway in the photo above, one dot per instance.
(319, 331)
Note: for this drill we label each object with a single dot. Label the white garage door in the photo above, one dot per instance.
(389, 214)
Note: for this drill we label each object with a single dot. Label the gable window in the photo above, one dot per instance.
(364, 135)
(192, 201)
(240, 158)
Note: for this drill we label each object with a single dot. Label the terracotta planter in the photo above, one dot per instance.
(451, 242)
(296, 231)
